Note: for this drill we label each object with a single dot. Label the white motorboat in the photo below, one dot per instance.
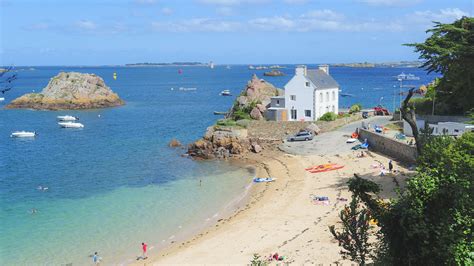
(2, 99)
(70, 125)
(67, 118)
(23, 134)
(225, 93)
(404, 76)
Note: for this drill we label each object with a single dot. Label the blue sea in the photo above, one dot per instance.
(116, 183)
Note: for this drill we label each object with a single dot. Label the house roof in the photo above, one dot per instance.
(321, 80)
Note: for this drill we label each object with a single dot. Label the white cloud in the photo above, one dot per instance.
(166, 11)
(232, 2)
(86, 25)
(224, 11)
(197, 25)
(390, 2)
(323, 14)
(273, 24)
(446, 15)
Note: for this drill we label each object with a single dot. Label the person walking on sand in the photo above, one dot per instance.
(96, 259)
(390, 166)
(144, 248)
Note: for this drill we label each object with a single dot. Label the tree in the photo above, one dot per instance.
(408, 114)
(354, 237)
(450, 51)
(431, 222)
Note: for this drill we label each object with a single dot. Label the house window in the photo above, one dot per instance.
(293, 114)
(307, 113)
(293, 97)
(278, 103)
(333, 109)
(321, 97)
(327, 96)
(333, 96)
(307, 83)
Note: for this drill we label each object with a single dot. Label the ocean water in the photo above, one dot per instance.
(116, 183)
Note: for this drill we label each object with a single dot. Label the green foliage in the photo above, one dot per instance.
(342, 115)
(354, 237)
(329, 116)
(355, 108)
(226, 123)
(256, 261)
(431, 223)
(243, 112)
(422, 105)
(449, 51)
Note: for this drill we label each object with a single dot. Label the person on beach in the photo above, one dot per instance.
(390, 166)
(144, 248)
(96, 259)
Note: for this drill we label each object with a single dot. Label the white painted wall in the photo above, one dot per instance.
(304, 96)
(324, 105)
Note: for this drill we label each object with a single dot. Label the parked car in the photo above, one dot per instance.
(302, 135)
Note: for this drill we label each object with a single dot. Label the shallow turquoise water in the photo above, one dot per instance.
(115, 183)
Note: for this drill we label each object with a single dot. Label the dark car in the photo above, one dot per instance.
(302, 135)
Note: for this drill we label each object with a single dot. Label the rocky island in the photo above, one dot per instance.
(230, 135)
(70, 90)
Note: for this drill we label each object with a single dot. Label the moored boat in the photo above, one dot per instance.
(23, 134)
(67, 118)
(70, 125)
(2, 99)
(226, 93)
(404, 76)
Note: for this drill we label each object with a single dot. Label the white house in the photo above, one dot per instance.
(308, 95)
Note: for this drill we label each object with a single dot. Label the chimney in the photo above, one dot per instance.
(300, 70)
(324, 68)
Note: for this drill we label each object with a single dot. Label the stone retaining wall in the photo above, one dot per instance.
(388, 146)
(278, 130)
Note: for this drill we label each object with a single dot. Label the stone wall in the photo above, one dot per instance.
(278, 130)
(388, 146)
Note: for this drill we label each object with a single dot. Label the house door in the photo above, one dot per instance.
(284, 115)
(293, 114)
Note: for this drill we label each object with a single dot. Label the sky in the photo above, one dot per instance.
(110, 32)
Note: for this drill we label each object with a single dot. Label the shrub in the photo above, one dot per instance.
(355, 108)
(226, 123)
(329, 116)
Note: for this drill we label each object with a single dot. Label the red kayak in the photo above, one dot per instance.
(324, 168)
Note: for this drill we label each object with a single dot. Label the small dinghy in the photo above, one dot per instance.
(225, 93)
(2, 99)
(67, 118)
(351, 140)
(263, 179)
(23, 134)
(70, 125)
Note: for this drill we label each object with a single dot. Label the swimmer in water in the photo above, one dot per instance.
(33, 211)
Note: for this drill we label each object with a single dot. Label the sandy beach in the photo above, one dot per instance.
(280, 216)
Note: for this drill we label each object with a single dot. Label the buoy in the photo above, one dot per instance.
(115, 76)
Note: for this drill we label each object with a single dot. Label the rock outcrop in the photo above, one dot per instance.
(254, 100)
(220, 142)
(70, 90)
(174, 143)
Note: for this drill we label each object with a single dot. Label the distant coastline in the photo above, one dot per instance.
(386, 64)
(166, 64)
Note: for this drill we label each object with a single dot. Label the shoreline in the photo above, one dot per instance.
(279, 216)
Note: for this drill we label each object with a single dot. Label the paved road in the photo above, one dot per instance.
(330, 143)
